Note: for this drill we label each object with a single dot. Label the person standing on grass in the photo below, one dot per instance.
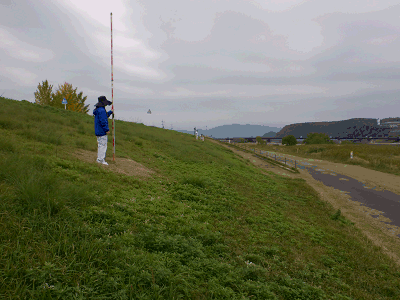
(101, 128)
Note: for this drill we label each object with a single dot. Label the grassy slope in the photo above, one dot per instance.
(207, 225)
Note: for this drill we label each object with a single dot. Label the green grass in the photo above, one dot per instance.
(383, 158)
(205, 225)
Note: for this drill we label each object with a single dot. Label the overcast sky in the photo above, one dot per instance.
(210, 62)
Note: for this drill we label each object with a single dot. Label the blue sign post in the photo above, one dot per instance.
(64, 101)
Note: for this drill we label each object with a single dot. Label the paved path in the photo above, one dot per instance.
(385, 201)
(366, 197)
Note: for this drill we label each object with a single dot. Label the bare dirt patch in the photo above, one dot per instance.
(121, 165)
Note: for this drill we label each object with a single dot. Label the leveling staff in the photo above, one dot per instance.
(101, 128)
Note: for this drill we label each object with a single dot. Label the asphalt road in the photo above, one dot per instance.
(387, 202)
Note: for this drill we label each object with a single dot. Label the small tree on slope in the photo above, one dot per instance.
(43, 95)
(260, 140)
(289, 140)
(317, 138)
(75, 101)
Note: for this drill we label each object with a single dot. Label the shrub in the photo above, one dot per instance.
(195, 181)
(316, 150)
(259, 140)
(336, 215)
(314, 138)
(289, 140)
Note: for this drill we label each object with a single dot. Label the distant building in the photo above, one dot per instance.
(393, 124)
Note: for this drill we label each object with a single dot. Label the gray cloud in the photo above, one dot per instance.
(210, 63)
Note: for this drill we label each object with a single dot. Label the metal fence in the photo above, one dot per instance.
(272, 156)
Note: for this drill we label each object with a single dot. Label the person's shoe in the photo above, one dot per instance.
(105, 163)
(98, 161)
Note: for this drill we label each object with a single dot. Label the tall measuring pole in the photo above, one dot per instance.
(112, 92)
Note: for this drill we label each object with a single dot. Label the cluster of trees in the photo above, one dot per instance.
(312, 139)
(76, 102)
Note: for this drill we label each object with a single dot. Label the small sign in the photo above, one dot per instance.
(64, 101)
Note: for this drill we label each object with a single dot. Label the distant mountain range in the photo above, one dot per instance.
(270, 134)
(237, 130)
(356, 127)
(351, 127)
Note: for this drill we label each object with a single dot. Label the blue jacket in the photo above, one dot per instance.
(101, 120)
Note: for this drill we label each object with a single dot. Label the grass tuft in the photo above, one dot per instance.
(336, 215)
(195, 181)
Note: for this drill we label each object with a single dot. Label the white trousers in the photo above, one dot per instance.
(101, 148)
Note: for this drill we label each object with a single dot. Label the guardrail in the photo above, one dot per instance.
(271, 156)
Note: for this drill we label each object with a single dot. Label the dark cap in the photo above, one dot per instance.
(103, 101)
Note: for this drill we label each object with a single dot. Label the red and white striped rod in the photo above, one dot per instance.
(112, 91)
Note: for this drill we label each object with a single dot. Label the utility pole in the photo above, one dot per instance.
(162, 123)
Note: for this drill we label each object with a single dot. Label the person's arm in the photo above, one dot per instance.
(109, 113)
(104, 120)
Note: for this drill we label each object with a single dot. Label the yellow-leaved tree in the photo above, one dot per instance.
(43, 95)
(76, 102)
